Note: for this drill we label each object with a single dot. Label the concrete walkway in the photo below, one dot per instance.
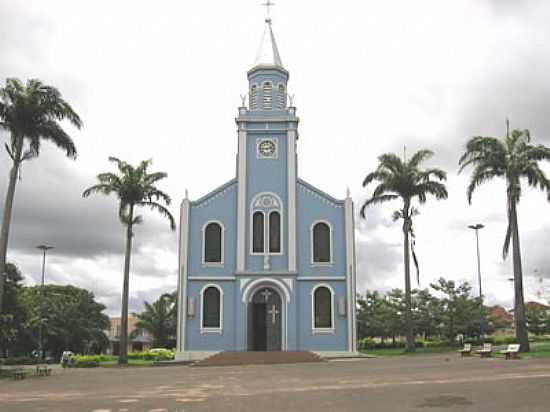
(412, 383)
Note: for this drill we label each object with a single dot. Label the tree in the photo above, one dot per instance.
(30, 113)
(538, 318)
(404, 180)
(159, 320)
(14, 318)
(134, 187)
(511, 158)
(427, 313)
(71, 318)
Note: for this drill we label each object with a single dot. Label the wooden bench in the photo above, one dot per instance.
(466, 351)
(511, 352)
(486, 351)
(43, 371)
(18, 373)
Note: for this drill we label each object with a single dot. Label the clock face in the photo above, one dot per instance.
(267, 148)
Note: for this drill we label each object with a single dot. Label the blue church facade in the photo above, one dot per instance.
(266, 261)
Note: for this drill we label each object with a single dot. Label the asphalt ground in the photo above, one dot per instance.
(407, 383)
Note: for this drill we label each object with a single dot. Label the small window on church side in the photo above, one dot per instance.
(274, 232)
(258, 232)
(213, 243)
(253, 97)
(322, 308)
(281, 96)
(268, 96)
(321, 243)
(211, 310)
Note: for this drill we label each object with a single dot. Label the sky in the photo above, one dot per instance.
(161, 80)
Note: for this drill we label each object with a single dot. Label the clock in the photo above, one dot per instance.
(267, 149)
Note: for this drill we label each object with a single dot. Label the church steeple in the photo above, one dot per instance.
(268, 52)
(268, 78)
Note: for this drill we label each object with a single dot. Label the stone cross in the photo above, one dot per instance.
(266, 294)
(268, 5)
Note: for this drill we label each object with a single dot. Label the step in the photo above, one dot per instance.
(258, 358)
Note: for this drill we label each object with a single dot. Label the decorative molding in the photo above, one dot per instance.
(291, 187)
(266, 203)
(203, 329)
(246, 295)
(219, 278)
(243, 282)
(320, 195)
(350, 269)
(182, 278)
(321, 278)
(215, 194)
(241, 201)
(269, 273)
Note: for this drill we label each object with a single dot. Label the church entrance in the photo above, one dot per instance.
(264, 321)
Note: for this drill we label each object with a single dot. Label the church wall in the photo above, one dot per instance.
(212, 341)
(311, 207)
(220, 206)
(307, 339)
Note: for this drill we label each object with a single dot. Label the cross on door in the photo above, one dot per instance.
(273, 312)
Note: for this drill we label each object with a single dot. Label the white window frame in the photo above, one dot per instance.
(283, 97)
(255, 105)
(266, 213)
(331, 248)
(203, 329)
(331, 329)
(213, 264)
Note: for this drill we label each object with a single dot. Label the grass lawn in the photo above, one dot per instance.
(538, 350)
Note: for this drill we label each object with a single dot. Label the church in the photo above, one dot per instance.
(267, 260)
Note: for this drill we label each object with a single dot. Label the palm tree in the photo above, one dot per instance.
(159, 320)
(134, 187)
(511, 158)
(31, 113)
(402, 179)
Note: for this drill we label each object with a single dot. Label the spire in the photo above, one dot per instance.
(268, 53)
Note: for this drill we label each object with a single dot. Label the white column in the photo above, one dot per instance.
(241, 204)
(291, 185)
(350, 269)
(182, 274)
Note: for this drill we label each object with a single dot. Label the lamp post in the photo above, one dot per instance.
(44, 249)
(476, 227)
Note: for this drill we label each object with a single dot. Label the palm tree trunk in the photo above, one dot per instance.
(6, 218)
(410, 346)
(123, 354)
(519, 305)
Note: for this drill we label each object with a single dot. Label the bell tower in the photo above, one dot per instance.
(267, 135)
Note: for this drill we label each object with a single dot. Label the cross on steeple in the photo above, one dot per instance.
(268, 5)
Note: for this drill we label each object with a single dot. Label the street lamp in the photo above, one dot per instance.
(44, 249)
(476, 227)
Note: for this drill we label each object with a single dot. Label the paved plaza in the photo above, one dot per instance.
(412, 383)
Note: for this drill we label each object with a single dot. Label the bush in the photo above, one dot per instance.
(89, 361)
(501, 340)
(85, 364)
(20, 360)
(155, 355)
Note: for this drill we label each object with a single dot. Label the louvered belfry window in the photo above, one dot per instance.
(268, 96)
(321, 243)
(323, 307)
(211, 308)
(281, 97)
(253, 97)
(213, 243)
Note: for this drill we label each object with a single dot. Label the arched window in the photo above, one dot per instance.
(253, 97)
(322, 308)
(268, 96)
(274, 232)
(281, 97)
(267, 227)
(211, 308)
(213, 243)
(321, 243)
(258, 232)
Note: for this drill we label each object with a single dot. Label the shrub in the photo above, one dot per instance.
(89, 361)
(155, 355)
(85, 364)
(20, 360)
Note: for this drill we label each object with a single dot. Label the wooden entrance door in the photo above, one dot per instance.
(265, 332)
